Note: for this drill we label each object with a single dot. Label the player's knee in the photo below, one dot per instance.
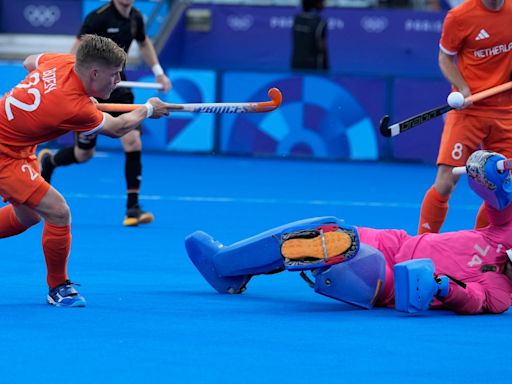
(60, 214)
(445, 180)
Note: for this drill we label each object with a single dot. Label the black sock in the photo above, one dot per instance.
(133, 175)
(65, 156)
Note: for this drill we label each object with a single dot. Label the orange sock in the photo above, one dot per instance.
(482, 220)
(433, 211)
(9, 223)
(56, 246)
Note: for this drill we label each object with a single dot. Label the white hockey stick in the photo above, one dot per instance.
(501, 165)
(139, 84)
(262, 106)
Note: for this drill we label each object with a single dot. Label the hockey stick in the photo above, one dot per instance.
(405, 125)
(501, 165)
(263, 106)
(139, 84)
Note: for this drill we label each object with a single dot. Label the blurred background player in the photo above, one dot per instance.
(474, 55)
(122, 23)
(309, 38)
(370, 267)
(53, 100)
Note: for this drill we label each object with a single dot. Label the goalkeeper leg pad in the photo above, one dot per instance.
(229, 268)
(357, 281)
(202, 250)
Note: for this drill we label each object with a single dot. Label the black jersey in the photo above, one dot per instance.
(309, 42)
(106, 21)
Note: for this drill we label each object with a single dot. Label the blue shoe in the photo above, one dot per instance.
(65, 295)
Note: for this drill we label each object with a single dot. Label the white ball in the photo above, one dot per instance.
(455, 100)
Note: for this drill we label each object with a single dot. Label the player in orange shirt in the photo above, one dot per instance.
(475, 54)
(52, 100)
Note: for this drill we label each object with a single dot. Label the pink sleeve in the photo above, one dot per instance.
(492, 294)
(499, 218)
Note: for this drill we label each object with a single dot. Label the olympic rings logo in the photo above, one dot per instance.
(41, 15)
(374, 24)
(240, 23)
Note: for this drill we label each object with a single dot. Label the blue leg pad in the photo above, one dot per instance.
(202, 249)
(229, 268)
(415, 285)
(262, 253)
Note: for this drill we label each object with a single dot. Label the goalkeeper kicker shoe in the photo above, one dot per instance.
(313, 248)
(135, 216)
(65, 295)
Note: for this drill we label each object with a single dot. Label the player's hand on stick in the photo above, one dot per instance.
(160, 108)
(164, 81)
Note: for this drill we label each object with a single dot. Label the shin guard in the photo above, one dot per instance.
(357, 281)
(300, 245)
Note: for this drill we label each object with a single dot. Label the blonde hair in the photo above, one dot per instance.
(94, 49)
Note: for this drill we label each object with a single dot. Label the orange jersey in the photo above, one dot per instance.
(48, 103)
(482, 41)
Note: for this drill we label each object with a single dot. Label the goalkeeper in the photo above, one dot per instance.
(464, 271)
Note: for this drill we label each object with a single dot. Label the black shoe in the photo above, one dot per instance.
(135, 216)
(45, 158)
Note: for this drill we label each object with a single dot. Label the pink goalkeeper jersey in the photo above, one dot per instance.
(475, 257)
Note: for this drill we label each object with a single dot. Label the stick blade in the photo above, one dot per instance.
(384, 126)
(276, 96)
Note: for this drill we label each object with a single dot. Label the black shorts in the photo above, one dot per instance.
(121, 96)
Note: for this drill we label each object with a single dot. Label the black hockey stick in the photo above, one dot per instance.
(405, 125)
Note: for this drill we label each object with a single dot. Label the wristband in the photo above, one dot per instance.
(157, 70)
(149, 107)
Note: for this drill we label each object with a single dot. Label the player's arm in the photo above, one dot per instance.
(451, 72)
(416, 285)
(151, 59)
(121, 125)
(492, 294)
(30, 63)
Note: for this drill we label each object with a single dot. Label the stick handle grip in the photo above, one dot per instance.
(489, 92)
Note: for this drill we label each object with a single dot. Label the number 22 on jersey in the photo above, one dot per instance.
(11, 101)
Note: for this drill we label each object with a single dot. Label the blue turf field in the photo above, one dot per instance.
(151, 317)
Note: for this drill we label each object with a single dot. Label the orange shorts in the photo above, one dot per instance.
(463, 134)
(20, 181)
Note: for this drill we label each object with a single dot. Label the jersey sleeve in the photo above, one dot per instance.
(91, 25)
(44, 57)
(451, 36)
(491, 294)
(499, 218)
(86, 119)
(140, 34)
